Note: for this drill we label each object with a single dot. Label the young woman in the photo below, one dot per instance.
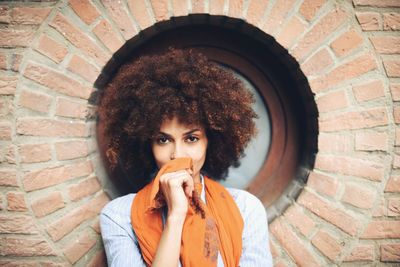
(177, 121)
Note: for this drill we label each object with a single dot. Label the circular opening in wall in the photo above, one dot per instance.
(278, 161)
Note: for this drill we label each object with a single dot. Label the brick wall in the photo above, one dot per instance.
(51, 52)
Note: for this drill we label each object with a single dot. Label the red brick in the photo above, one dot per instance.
(198, 6)
(56, 81)
(8, 84)
(52, 49)
(369, 21)
(216, 7)
(390, 252)
(386, 44)
(355, 120)
(35, 153)
(106, 34)
(139, 11)
(391, 21)
(85, 10)
(374, 3)
(29, 15)
(121, 18)
(96, 227)
(396, 161)
(323, 184)
(236, 8)
(4, 14)
(359, 197)
(361, 253)
(16, 201)
(329, 142)
(382, 229)
(371, 170)
(396, 114)
(293, 29)
(329, 212)
(71, 109)
(16, 224)
(7, 154)
(380, 209)
(83, 189)
(16, 37)
(99, 260)
(371, 141)
(292, 244)
(332, 101)
(392, 67)
(393, 207)
(347, 71)
(6, 106)
(277, 15)
(71, 149)
(395, 91)
(47, 204)
(43, 178)
(47, 127)
(17, 263)
(317, 63)
(73, 219)
(79, 247)
(397, 140)
(3, 61)
(327, 244)
(274, 250)
(35, 101)
(393, 184)
(80, 169)
(83, 68)
(181, 8)
(255, 11)
(8, 177)
(25, 247)
(16, 60)
(319, 32)
(160, 9)
(369, 91)
(346, 42)
(310, 7)
(5, 130)
(296, 216)
(79, 38)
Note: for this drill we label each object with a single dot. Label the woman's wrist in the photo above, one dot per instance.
(175, 219)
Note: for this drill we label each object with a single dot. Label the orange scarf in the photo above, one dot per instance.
(202, 238)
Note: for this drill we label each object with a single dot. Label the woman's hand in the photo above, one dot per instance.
(177, 187)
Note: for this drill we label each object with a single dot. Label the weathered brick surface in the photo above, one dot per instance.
(382, 229)
(78, 248)
(8, 177)
(393, 207)
(327, 244)
(140, 13)
(277, 15)
(369, 21)
(43, 178)
(294, 28)
(30, 153)
(332, 101)
(35, 101)
(386, 44)
(119, 15)
(83, 189)
(329, 212)
(361, 253)
(371, 141)
(160, 9)
(8, 84)
(16, 37)
(255, 11)
(12, 246)
(395, 91)
(47, 204)
(391, 21)
(346, 42)
(29, 15)
(368, 91)
(317, 62)
(85, 10)
(52, 48)
(99, 260)
(83, 68)
(310, 7)
(17, 224)
(393, 184)
(374, 3)
(390, 252)
(216, 7)
(71, 109)
(48, 127)
(16, 201)
(106, 34)
(71, 220)
(292, 244)
(392, 67)
(71, 149)
(56, 81)
(297, 217)
(358, 196)
(323, 184)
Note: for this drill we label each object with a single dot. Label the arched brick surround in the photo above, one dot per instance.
(52, 52)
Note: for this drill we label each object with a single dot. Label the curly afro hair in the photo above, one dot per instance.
(178, 83)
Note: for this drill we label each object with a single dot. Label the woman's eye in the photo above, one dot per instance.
(162, 140)
(192, 139)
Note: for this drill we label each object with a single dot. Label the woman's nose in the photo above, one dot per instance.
(178, 151)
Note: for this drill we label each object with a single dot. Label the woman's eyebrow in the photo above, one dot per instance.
(191, 131)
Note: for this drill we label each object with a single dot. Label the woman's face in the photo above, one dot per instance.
(176, 140)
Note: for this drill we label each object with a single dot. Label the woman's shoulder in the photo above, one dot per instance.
(119, 207)
(246, 202)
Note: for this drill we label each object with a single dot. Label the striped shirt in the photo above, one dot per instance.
(122, 248)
